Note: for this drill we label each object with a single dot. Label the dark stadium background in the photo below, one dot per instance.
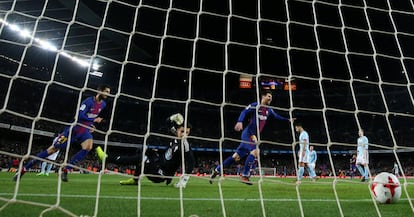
(173, 75)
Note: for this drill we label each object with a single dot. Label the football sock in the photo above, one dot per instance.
(366, 175)
(185, 179)
(43, 168)
(361, 171)
(248, 164)
(78, 157)
(301, 171)
(42, 155)
(311, 172)
(226, 162)
(49, 167)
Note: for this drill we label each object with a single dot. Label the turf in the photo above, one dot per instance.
(37, 197)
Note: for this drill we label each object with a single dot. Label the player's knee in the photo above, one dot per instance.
(52, 149)
(236, 157)
(87, 145)
(255, 152)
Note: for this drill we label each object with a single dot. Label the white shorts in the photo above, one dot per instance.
(311, 165)
(53, 156)
(304, 158)
(361, 160)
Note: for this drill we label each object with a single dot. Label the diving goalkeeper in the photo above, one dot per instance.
(158, 166)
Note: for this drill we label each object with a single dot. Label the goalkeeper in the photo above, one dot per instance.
(159, 167)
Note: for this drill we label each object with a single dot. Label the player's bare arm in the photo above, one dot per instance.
(238, 126)
(98, 120)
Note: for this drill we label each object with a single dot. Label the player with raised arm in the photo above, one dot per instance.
(248, 146)
(362, 159)
(157, 165)
(88, 115)
(303, 154)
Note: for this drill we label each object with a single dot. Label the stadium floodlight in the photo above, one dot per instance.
(83, 63)
(14, 27)
(44, 44)
(63, 53)
(96, 73)
(47, 45)
(95, 66)
(25, 33)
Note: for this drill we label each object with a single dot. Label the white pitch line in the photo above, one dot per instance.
(192, 199)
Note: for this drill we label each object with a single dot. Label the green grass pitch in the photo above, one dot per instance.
(280, 198)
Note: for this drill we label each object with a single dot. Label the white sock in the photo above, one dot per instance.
(185, 179)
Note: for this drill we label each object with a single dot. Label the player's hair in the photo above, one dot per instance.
(175, 127)
(298, 124)
(265, 92)
(102, 87)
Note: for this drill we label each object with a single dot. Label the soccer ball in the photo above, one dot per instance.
(386, 188)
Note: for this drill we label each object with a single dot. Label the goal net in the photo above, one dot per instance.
(335, 66)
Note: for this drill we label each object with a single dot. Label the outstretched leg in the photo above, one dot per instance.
(361, 171)
(246, 172)
(230, 160)
(123, 160)
(77, 158)
(32, 162)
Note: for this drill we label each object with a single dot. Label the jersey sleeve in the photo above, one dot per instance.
(103, 105)
(304, 137)
(251, 107)
(84, 108)
(277, 116)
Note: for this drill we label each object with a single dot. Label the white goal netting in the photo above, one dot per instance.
(335, 66)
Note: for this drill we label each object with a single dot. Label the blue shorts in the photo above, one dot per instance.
(247, 145)
(79, 134)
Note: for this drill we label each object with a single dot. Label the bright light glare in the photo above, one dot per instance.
(48, 46)
(80, 62)
(63, 53)
(14, 28)
(25, 33)
(96, 73)
(95, 66)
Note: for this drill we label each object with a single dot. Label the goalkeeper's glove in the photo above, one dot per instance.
(177, 119)
(174, 121)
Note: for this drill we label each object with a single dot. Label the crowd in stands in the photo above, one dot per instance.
(16, 143)
(282, 164)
